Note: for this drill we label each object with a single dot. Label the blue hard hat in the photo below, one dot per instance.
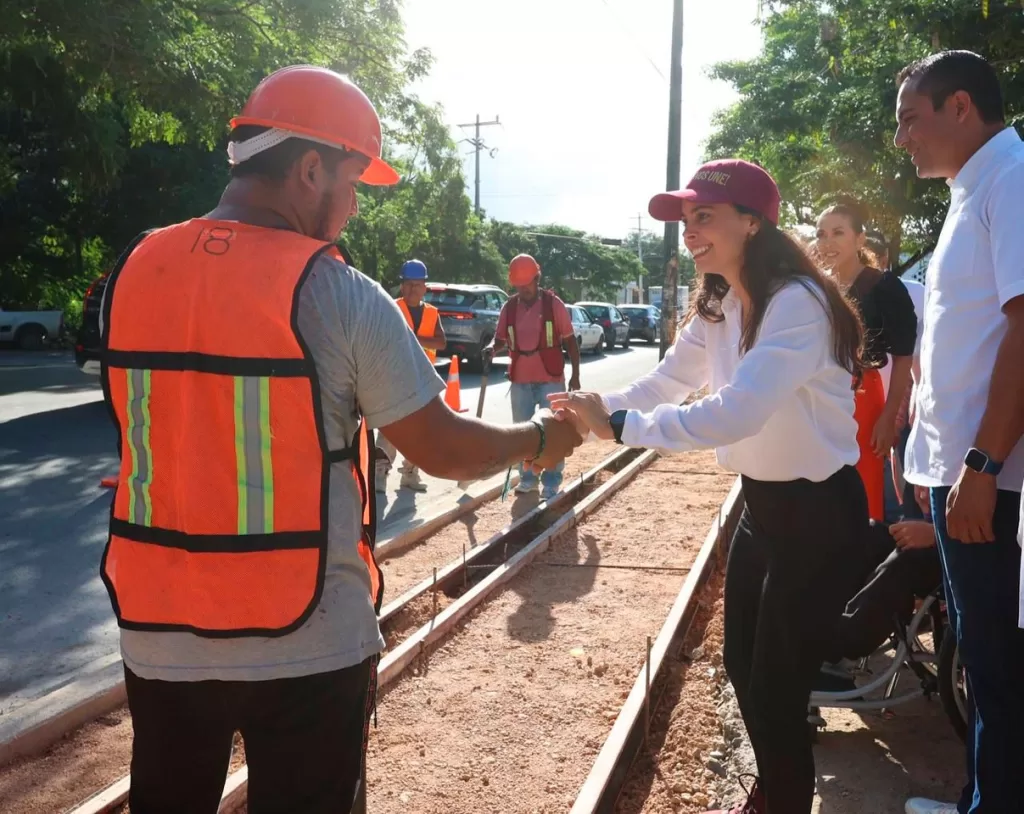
(414, 270)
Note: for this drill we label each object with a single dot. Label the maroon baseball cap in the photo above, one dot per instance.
(730, 181)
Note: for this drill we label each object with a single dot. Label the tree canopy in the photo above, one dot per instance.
(114, 115)
(817, 105)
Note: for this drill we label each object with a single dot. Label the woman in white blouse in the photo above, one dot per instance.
(776, 344)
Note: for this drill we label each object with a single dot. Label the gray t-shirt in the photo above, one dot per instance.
(364, 351)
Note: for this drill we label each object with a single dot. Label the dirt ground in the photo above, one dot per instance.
(865, 762)
(509, 713)
(873, 763)
(406, 567)
(99, 753)
(670, 774)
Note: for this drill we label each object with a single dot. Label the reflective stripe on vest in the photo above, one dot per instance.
(219, 524)
(252, 453)
(428, 324)
(140, 510)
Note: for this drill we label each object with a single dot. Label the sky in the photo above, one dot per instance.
(581, 90)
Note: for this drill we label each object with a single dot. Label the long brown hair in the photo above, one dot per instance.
(772, 258)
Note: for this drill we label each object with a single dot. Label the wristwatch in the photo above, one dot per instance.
(981, 462)
(617, 421)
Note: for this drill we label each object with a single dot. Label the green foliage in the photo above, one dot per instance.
(114, 118)
(654, 259)
(574, 264)
(817, 106)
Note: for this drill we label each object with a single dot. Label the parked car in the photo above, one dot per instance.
(616, 326)
(589, 335)
(87, 343)
(30, 330)
(469, 314)
(644, 321)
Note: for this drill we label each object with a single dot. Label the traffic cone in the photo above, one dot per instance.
(453, 390)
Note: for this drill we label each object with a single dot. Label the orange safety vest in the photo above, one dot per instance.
(550, 347)
(220, 518)
(427, 325)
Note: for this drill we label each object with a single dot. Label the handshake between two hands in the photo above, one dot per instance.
(570, 419)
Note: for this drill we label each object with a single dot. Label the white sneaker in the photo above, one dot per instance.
(380, 476)
(548, 492)
(919, 805)
(411, 480)
(526, 487)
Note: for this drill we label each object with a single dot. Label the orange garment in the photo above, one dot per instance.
(428, 324)
(868, 403)
(219, 522)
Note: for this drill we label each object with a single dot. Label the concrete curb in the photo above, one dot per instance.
(40, 723)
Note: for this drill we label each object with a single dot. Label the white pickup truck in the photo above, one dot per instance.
(30, 330)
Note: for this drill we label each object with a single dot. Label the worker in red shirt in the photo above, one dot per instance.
(534, 326)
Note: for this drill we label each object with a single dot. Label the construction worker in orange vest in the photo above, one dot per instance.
(244, 362)
(425, 322)
(534, 325)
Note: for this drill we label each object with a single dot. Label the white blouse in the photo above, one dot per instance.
(779, 412)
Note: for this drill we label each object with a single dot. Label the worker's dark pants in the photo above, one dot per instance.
(982, 595)
(304, 741)
(787, 581)
(895, 579)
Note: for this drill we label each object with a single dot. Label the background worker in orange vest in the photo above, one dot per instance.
(425, 322)
(534, 325)
(240, 555)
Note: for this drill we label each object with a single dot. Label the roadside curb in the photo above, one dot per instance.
(35, 726)
(40, 723)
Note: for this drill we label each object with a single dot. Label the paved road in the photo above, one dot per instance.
(56, 443)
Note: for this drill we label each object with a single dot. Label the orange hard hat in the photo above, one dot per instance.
(522, 270)
(320, 105)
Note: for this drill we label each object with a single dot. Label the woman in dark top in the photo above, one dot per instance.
(890, 329)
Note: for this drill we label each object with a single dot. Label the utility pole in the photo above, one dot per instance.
(640, 255)
(672, 181)
(478, 145)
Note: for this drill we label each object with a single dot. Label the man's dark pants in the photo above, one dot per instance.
(982, 586)
(304, 741)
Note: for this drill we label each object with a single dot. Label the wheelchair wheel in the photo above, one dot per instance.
(952, 689)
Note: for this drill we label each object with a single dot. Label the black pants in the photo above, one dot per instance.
(894, 580)
(787, 581)
(304, 741)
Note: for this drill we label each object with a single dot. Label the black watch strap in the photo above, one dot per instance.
(982, 462)
(617, 421)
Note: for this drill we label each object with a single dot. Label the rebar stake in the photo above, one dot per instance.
(434, 589)
(647, 695)
(465, 570)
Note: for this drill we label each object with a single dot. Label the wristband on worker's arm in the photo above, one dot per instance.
(542, 442)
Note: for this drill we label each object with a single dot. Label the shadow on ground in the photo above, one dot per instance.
(54, 612)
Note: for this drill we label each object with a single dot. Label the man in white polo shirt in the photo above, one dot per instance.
(965, 445)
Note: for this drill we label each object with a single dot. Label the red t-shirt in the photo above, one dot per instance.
(529, 324)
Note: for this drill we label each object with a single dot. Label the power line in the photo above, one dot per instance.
(635, 41)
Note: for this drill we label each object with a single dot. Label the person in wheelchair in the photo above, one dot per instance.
(901, 565)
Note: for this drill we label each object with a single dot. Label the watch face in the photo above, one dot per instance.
(976, 460)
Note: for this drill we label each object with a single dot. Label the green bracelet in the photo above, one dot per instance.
(543, 438)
